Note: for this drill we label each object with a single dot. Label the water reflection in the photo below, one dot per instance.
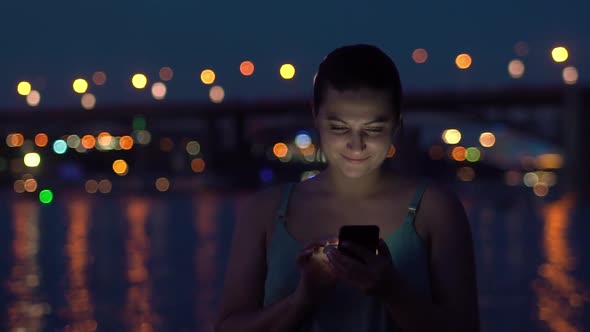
(80, 308)
(560, 296)
(25, 310)
(206, 258)
(139, 314)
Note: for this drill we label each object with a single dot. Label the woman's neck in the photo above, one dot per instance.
(361, 187)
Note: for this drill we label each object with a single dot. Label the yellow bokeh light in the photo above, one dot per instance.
(120, 167)
(207, 76)
(559, 54)
(41, 140)
(451, 136)
(280, 150)
(487, 139)
(516, 68)
(247, 68)
(32, 159)
(24, 88)
(287, 71)
(139, 81)
(80, 85)
(216, 94)
(162, 184)
(88, 101)
(549, 161)
(463, 61)
(104, 139)
(420, 55)
(33, 98)
(570, 75)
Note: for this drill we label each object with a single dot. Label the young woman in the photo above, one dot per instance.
(284, 272)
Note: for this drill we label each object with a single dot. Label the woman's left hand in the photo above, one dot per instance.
(377, 276)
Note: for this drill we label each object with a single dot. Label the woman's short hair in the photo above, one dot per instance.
(354, 67)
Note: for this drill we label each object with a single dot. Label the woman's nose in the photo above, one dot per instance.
(356, 142)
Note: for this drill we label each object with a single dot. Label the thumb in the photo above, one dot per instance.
(383, 249)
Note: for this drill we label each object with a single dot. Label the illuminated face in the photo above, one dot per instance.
(355, 128)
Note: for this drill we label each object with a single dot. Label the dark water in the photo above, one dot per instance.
(155, 263)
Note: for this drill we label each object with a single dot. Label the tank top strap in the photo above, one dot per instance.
(286, 190)
(414, 205)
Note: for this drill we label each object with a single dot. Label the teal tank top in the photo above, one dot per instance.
(348, 309)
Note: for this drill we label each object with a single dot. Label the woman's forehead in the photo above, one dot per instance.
(356, 104)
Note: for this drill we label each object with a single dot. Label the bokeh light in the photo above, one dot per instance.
(166, 74)
(512, 178)
(287, 71)
(80, 85)
(139, 81)
(24, 88)
(280, 150)
(559, 54)
(32, 159)
(302, 140)
(88, 141)
(104, 139)
(193, 148)
(216, 94)
(247, 68)
(207, 76)
(41, 140)
(472, 154)
(99, 78)
(541, 189)
(466, 174)
(88, 101)
(570, 75)
(166, 144)
(198, 165)
(60, 146)
(549, 161)
(487, 139)
(458, 153)
(126, 142)
(120, 167)
(33, 98)
(46, 196)
(451, 136)
(15, 140)
(419, 55)
(19, 186)
(159, 90)
(516, 68)
(162, 184)
(463, 61)
(105, 186)
(73, 141)
(30, 185)
(530, 179)
(143, 137)
(91, 186)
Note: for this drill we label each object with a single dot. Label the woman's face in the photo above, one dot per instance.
(355, 129)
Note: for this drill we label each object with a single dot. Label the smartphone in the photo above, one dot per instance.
(363, 235)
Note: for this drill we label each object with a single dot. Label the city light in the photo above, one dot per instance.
(559, 54)
(46, 196)
(419, 55)
(516, 68)
(88, 141)
(451, 136)
(198, 165)
(287, 71)
(280, 150)
(99, 78)
(80, 85)
(139, 81)
(159, 90)
(193, 148)
(88, 101)
(246, 68)
(126, 142)
(570, 75)
(216, 94)
(15, 140)
(73, 141)
(166, 74)
(162, 184)
(33, 98)
(41, 140)
(24, 88)
(458, 153)
(463, 61)
(303, 140)
(487, 139)
(472, 154)
(32, 159)
(120, 167)
(60, 146)
(207, 76)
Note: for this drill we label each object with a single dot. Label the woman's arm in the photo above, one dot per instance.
(452, 272)
(242, 300)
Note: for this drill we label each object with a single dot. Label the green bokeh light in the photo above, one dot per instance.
(472, 154)
(46, 196)
(139, 123)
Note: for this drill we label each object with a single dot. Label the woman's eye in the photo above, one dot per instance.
(338, 128)
(375, 129)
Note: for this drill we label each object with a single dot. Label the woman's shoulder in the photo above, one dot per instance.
(262, 204)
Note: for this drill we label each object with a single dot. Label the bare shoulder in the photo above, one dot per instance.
(259, 207)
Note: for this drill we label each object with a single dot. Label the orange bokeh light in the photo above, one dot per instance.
(459, 153)
(88, 141)
(247, 68)
(420, 55)
(198, 165)
(41, 140)
(126, 142)
(463, 61)
(280, 150)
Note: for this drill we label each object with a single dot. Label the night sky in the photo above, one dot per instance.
(50, 43)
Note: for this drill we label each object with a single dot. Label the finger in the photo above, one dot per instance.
(383, 249)
(360, 251)
(347, 272)
(347, 264)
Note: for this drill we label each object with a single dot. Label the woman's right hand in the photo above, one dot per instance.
(318, 277)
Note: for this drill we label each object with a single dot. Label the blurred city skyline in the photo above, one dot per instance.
(50, 46)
